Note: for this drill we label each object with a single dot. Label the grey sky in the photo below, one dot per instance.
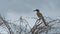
(48, 7)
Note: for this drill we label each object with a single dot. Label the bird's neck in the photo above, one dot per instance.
(38, 12)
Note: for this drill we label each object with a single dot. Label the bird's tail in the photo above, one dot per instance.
(44, 22)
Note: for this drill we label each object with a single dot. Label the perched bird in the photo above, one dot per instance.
(40, 16)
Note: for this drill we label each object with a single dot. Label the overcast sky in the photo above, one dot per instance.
(11, 8)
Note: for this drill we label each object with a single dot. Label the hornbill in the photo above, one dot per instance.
(40, 16)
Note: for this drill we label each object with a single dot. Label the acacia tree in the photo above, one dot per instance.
(38, 28)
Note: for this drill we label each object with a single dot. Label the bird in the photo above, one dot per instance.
(40, 16)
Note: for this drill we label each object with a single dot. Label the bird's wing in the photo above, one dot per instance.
(39, 15)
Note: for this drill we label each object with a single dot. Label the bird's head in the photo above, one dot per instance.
(36, 10)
